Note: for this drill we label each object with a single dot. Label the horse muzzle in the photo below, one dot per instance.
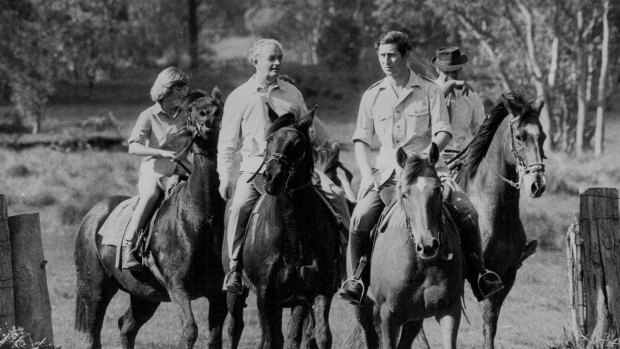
(427, 249)
(275, 181)
(535, 182)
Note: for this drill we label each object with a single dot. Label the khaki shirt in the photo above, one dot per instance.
(246, 120)
(156, 129)
(409, 120)
(466, 115)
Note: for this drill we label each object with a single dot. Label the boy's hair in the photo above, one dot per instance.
(400, 39)
(169, 77)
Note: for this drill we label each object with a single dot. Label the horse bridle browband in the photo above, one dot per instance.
(285, 160)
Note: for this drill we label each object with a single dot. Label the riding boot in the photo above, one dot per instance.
(130, 260)
(233, 281)
(354, 288)
(484, 283)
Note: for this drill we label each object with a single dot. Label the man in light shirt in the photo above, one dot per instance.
(244, 125)
(404, 110)
(465, 107)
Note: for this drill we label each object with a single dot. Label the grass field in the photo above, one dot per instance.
(63, 186)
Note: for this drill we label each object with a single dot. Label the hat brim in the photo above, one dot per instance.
(443, 66)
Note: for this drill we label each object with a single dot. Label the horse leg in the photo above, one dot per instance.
(449, 323)
(94, 296)
(181, 300)
(491, 308)
(217, 316)
(390, 327)
(408, 333)
(270, 316)
(296, 326)
(322, 333)
(138, 313)
(235, 304)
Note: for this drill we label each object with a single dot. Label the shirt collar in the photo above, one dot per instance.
(414, 80)
(157, 108)
(256, 86)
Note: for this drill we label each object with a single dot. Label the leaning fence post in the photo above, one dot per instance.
(594, 251)
(7, 309)
(32, 303)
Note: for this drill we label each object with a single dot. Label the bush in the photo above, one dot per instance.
(569, 341)
(20, 170)
(340, 43)
(17, 338)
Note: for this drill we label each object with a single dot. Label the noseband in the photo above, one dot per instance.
(290, 165)
(523, 168)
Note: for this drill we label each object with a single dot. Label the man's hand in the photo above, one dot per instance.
(226, 190)
(450, 85)
(366, 184)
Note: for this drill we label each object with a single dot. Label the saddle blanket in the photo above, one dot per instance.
(113, 228)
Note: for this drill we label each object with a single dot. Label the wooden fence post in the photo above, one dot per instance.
(594, 261)
(7, 310)
(32, 304)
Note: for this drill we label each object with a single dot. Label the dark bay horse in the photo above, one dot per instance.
(185, 243)
(505, 155)
(416, 266)
(292, 246)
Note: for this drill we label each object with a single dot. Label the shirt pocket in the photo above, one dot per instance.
(418, 116)
(381, 119)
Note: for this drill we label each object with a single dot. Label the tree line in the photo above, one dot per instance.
(567, 51)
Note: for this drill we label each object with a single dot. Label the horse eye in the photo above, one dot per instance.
(519, 137)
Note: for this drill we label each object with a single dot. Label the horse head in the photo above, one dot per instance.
(288, 155)
(204, 117)
(419, 193)
(526, 142)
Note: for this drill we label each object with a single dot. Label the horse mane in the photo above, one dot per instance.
(190, 97)
(479, 146)
(326, 157)
(285, 120)
(417, 166)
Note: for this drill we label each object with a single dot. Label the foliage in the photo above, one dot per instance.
(18, 338)
(340, 43)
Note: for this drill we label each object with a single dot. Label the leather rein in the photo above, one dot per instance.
(291, 165)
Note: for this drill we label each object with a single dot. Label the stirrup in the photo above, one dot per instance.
(346, 295)
(231, 290)
(496, 280)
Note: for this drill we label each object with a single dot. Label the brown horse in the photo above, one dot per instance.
(291, 248)
(416, 266)
(506, 154)
(185, 243)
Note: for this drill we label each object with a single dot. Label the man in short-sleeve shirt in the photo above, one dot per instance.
(402, 110)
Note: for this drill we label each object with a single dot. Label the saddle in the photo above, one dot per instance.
(113, 230)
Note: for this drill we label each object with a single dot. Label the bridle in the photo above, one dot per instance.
(194, 130)
(523, 168)
(292, 166)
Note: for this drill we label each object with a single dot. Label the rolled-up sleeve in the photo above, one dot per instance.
(228, 142)
(365, 128)
(142, 129)
(440, 121)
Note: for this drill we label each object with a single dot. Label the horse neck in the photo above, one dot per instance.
(496, 191)
(203, 182)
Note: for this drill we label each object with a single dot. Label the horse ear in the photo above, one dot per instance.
(307, 120)
(401, 157)
(433, 155)
(539, 105)
(216, 93)
(271, 113)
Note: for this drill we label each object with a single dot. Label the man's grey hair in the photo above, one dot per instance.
(258, 45)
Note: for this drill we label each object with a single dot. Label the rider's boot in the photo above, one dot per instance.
(233, 282)
(130, 260)
(354, 288)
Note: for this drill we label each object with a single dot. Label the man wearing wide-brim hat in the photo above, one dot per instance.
(465, 113)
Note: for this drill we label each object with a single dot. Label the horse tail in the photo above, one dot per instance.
(80, 315)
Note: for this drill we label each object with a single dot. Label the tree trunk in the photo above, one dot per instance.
(581, 72)
(599, 135)
(7, 309)
(193, 30)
